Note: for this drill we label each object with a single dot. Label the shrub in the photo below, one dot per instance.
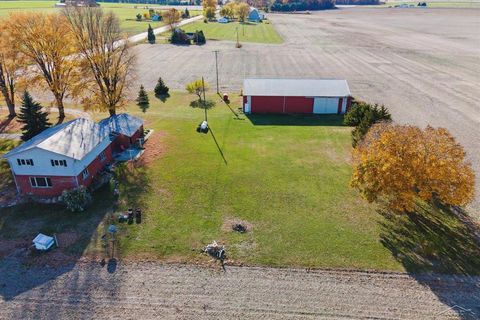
(139, 16)
(200, 37)
(179, 37)
(150, 35)
(362, 116)
(142, 99)
(76, 200)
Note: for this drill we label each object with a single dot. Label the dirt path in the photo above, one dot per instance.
(149, 290)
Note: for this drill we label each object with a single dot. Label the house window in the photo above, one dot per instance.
(25, 162)
(102, 156)
(85, 174)
(41, 182)
(56, 163)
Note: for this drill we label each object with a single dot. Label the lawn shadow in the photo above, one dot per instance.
(323, 120)
(237, 117)
(134, 183)
(209, 104)
(23, 269)
(440, 248)
(163, 97)
(218, 146)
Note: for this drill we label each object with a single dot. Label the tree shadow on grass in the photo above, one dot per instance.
(134, 183)
(209, 104)
(22, 269)
(440, 248)
(163, 97)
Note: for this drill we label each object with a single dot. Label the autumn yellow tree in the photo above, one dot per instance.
(229, 10)
(171, 17)
(209, 4)
(9, 63)
(243, 10)
(402, 164)
(47, 44)
(106, 59)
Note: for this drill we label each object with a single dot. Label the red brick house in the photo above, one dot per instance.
(62, 157)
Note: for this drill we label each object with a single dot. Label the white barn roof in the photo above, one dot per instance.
(296, 87)
(122, 123)
(73, 139)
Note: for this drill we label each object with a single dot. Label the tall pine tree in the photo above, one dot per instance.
(150, 35)
(31, 115)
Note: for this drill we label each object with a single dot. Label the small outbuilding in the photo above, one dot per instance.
(317, 96)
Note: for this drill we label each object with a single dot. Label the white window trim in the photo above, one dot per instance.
(85, 174)
(41, 187)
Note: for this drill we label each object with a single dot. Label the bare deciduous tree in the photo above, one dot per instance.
(45, 40)
(106, 57)
(9, 58)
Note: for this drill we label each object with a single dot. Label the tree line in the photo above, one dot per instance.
(79, 53)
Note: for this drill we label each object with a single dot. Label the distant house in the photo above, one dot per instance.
(318, 96)
(223, 20)
(71, 154)
(255, 15)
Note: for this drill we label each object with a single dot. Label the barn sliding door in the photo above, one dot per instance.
(325, 105)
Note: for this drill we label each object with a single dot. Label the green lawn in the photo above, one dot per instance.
(286, 177)
(247, 32)
(126, 12)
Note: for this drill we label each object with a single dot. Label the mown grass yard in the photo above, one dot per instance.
(285, 177)
(125, 12)
(263, 32)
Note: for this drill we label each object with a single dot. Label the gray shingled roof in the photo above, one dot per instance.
(296, 87)
(73, 139)
(121, 123)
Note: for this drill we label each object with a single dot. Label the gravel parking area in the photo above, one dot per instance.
(156, 291)
(422, 63)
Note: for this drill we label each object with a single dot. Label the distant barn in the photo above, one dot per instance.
(318, 96)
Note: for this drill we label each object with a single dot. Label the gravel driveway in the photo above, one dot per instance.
(422, 63)
(149, 290)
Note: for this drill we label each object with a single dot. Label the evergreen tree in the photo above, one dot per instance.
(187, 13)
(151, 36)
(31, 115)
(142, 99)
(161, 89)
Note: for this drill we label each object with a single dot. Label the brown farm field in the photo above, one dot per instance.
(422, 63)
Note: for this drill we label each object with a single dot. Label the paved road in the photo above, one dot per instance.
(422, 63)
(149, 290)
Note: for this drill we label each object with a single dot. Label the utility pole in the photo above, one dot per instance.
(204, 101)
(216, 68)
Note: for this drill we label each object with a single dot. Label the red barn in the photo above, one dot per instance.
(317, 96)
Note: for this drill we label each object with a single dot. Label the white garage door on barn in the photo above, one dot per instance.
(325, 105)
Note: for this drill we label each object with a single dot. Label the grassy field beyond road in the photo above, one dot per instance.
(125, 12)
(247, 32)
